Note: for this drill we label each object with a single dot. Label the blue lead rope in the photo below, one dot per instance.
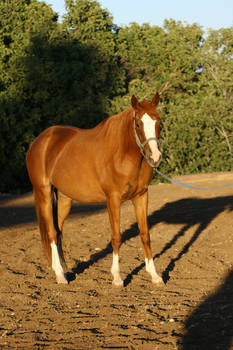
(193, 187)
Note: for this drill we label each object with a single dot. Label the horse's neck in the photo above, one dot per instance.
(120, 129)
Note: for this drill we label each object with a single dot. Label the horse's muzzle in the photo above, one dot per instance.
(153, 159)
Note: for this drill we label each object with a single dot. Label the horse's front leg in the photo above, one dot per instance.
(114, 217)
(141, 208)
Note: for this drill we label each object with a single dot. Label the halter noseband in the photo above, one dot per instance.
(142, 145)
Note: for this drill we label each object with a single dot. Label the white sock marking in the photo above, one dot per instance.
(56, 265)
(150, 268)
(115, 270)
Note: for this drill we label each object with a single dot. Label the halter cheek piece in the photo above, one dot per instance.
(142, 145)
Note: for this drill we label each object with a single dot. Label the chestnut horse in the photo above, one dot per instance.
(110, 163)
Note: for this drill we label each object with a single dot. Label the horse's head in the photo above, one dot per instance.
(147, 130)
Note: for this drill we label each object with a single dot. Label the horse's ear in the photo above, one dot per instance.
(134, 102)
(155, 100)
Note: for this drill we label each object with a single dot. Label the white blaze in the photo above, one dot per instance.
(149, 130)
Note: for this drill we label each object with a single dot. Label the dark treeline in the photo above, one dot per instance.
(84, 68)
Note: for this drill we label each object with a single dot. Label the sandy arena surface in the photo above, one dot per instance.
(192, 243)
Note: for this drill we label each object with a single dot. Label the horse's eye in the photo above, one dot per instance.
(137, 125)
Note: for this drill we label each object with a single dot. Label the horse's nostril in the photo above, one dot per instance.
(156, 157)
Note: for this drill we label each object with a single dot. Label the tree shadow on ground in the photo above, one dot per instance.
(210, 324)
(18, 213)
(190, 212)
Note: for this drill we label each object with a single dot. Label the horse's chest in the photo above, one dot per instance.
(128, 191)
(133, 189)
(135, 182)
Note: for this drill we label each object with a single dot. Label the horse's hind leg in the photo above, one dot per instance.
(114, 216)
(63, 209)
(141, 205)
(44, 208)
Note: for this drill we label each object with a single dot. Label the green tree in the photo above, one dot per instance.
(92, 26)
(182, 130)
(216, 96)
(19, 20)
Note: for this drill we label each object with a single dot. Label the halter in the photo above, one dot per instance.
(142, 145)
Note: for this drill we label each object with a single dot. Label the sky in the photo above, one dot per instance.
(214, 14)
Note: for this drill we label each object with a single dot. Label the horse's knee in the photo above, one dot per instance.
(145, 238)
(116, 243)
(53, 237)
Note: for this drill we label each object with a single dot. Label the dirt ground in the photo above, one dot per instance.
(191, 233)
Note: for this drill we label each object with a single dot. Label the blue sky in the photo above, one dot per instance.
(213, 14)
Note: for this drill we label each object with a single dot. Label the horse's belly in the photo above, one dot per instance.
(84, 195)
(79, 184)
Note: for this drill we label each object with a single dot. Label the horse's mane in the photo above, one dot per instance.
(122, 116)
(116, 128)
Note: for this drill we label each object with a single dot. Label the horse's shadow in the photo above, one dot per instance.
(189, 212)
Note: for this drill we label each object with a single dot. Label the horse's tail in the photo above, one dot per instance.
(55, 200)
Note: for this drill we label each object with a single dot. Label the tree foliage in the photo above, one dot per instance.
(78, 71)
(19, 22)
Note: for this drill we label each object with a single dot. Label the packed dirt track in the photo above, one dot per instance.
(192, 243)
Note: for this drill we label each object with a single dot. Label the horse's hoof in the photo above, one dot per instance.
(157, 280)
(61, 279)
(118, 283)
